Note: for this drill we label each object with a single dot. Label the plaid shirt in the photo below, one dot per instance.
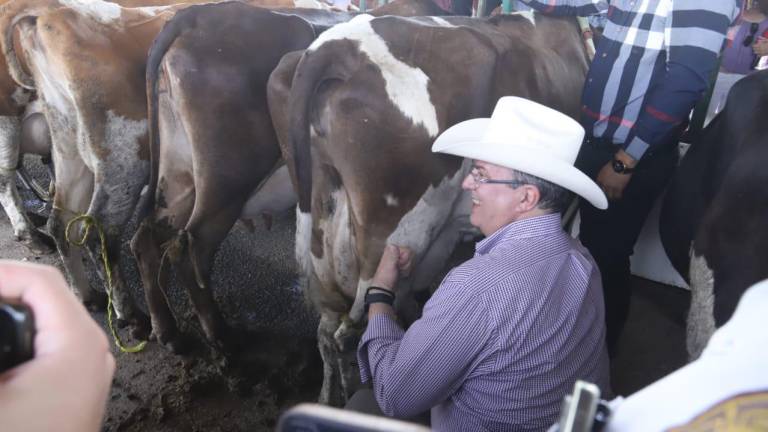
(651, 67)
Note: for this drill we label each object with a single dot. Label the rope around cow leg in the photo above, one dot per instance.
(89, 221)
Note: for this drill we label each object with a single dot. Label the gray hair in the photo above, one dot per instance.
(551, 196)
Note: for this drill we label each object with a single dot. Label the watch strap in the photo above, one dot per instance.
(378, 295)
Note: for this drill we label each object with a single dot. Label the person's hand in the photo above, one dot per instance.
(65, 386)
(395, 261)
(611, 182)
(760, 47)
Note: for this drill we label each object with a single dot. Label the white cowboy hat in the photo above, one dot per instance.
(527, 137)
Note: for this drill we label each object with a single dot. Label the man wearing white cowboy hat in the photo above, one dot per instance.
(508, 332)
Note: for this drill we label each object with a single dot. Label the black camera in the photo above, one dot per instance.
(17, 334)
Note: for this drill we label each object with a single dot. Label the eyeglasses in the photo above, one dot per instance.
(751, 36)
(479, 179)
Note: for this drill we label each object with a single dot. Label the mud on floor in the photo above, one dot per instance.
(156, 390)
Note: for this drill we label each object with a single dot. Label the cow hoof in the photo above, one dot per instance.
(97, 302)
(177, 344)
(39, 244)
(138, 326)
(140, 329)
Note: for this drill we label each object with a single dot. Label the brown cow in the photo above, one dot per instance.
(214, 152)
(18, 121)
(367, 99)
(86, 63)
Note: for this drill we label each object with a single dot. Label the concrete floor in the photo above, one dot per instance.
(653, 343)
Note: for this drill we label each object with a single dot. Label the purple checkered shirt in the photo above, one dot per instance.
(501, 341)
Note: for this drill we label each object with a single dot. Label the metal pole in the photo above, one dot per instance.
(480, 12)
(506, 6)
(362, 6)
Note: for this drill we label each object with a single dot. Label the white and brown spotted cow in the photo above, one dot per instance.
(215, 156)
(366, 101)
(715, 212)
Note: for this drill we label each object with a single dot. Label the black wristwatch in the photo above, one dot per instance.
(621, 168)
(378, 295)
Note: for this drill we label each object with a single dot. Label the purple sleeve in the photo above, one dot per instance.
(415, 370)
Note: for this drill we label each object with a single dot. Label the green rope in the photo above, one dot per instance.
(89, 221)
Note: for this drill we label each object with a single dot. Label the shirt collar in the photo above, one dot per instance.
(531, 227)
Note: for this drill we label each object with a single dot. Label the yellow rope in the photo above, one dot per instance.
(89, 221)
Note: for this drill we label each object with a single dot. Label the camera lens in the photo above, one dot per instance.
(16, 335)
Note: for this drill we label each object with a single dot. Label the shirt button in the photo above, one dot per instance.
(589, 80)
(604, 55)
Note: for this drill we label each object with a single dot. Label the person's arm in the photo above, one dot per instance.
(695, 35)
(761, 46)
(65, 386)
(568, 7)
(415, 370)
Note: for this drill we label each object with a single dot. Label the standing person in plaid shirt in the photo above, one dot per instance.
(651, 67)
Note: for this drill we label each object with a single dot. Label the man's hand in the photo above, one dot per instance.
(611, 182)
(65, 386)
(395, 261)
(760, 47)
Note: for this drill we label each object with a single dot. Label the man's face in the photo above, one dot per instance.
(493, 205)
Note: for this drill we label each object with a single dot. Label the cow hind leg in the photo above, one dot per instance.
(331, 391)
(194, 272)
(146, 247)
(157, 244)
(65, 210)
(23, 229)
(701, 319)
(128, 315)
(119, 178)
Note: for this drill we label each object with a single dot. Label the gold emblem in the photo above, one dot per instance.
(743, 413)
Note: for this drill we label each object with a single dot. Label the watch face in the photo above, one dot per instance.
(618, 166)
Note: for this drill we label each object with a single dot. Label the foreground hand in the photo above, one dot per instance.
(65, 386)
(396, 261)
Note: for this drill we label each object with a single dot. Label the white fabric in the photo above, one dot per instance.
(527, 137)
(735, 362)
(725, 80)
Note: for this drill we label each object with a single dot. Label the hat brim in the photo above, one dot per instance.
(466, 139)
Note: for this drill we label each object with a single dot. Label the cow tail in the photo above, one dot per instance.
(311, 71)
(11, 14)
